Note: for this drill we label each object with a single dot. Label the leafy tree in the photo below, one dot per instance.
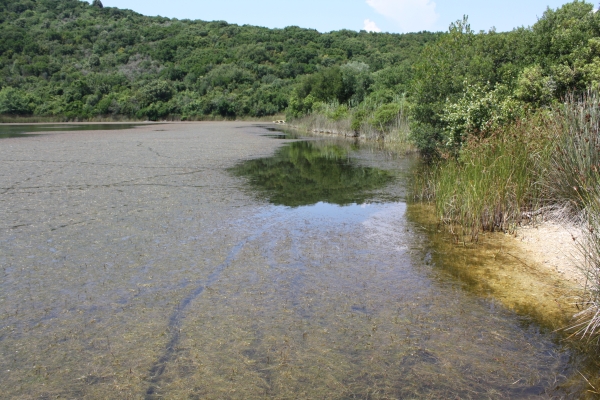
(14, 101)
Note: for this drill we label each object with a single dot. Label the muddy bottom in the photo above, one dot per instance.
(163, 264)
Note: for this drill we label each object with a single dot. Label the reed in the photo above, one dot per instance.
(495, 183)
(574, 181)
(370, 120)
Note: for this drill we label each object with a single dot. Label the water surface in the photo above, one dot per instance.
(24, 130)
(208, 261)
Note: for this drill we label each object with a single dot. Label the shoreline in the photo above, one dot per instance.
(523, 270)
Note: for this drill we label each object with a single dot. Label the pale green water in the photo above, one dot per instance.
(143, 264)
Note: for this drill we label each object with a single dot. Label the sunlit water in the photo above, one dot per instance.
(208, 261)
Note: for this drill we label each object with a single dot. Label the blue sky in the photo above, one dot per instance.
(397, 16)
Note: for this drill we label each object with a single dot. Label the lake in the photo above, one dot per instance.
(208, 260)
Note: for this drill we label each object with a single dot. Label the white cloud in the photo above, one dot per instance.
(371, 26)
(410, 15)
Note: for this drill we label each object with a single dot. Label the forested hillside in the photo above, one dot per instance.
(467, 84)
(70, 59)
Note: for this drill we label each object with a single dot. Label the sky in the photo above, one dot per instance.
(395, 16)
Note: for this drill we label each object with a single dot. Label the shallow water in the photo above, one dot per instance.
(181, 263)
(25, 130)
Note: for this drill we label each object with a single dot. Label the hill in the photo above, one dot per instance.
(67, 58)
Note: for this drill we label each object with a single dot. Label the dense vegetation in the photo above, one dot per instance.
(471, 84)
(69, 59)
(466, 83)
(511, 122)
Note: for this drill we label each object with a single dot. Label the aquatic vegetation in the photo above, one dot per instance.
(494, 183)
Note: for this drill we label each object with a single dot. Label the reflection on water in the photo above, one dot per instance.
(303, 173)
(132, 273)
(12, 131)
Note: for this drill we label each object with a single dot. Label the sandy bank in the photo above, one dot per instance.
(552, 247)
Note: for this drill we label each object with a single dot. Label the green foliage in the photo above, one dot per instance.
(455, 85)
(479, 112)
(358, 118)
(298, 107)
(385, 115)
(534, 87)
(155, 91)
(356, 82)
(14, 102)
(152, 67)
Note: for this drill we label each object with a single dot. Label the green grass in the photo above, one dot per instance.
(494, 184)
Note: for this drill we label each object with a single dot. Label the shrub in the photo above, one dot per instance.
(14, 101)
(534, 87)
(385, 115)
(479, 111)
(156, 91)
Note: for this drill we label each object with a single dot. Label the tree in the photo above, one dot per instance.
(13, 101)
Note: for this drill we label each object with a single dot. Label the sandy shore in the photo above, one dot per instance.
(552, 247)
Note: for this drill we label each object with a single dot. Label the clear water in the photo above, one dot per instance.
(183, 264)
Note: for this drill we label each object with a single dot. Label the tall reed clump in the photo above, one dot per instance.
(573, 176)
(574, 180)
(495, 182)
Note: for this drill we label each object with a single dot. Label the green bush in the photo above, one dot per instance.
(535, 87)
(14, 102)
(156, 91)
(479, 112)
(385, 115)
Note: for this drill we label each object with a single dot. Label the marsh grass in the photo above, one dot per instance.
(495, 183)
(574, 181)
(365, 121)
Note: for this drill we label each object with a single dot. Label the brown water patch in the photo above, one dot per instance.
(495, 267)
